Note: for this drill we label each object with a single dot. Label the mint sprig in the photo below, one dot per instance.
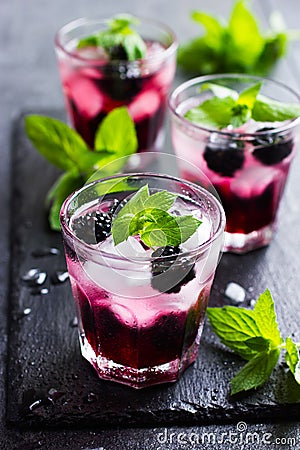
(119, 36)
(236, 45)
(64, 148)
(255, 336)
(147, 215)
(229, 108)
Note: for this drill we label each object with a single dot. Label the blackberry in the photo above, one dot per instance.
(117, 52)
(224, 158)
(168, 274)
(102, 226)
(272, 148)
(84, 228)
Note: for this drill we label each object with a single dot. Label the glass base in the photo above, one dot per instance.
(243, 243)
(138, 378)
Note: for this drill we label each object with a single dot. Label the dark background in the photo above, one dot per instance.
(29, 81)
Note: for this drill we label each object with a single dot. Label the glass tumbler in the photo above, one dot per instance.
(140, 315)
(93, 85)
(247, 166)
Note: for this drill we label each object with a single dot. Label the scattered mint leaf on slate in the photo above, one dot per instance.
(234, 326)
(120, 40)
(256, 372)
(147, 216)
(64, 186)
(254, 335)
(55, 140)
(64, 148)
(228, 108)
(115, 137)
(292, 358)
(265, 318)
(233, 46)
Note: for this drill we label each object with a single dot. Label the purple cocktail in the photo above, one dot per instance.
(140, 309)
(95, 82)
(248, 165)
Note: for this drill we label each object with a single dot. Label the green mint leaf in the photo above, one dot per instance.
(213, 28)
(265, 318)
(235, 326)
(258, 344)
(256, 372)
(268, 110)
(188, 225)
(89, 41)
(212, 113)
(147, 215)
(116, 136)
(240, 115)
(55, 140)
(248, 96)
(162, 230)
(116, 132)
(246, 38)
(292, 358)
(234, 46)
(162, 200)
(118, 34)
(220, 91)
(64, 186)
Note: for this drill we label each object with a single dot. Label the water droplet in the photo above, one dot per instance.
(59, 277)
(251, 289)
(54, 395)
(252, 302)
(35, 405)
(39, 291)
(74, 322)
(91, 397)
(46, 251)
(235, 293)
(34, 277)
(26, 311)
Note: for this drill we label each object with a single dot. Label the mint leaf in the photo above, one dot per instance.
(258, 344)
(265, 318)
(63, 147)
(116, 135)
(64, 186)
(147, 216)
(228, 107)
(235, 326)
(256, 372)
(233, 46)
(162, 230)
(292, 358)
(268, 110)
(118, 34)
(212, 113)
(245, 35)
(162, 199)
(188, 225)
(248, 96)
(55, 140)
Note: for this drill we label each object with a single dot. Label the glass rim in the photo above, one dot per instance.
(236, 134)
(163, 54)
(95, 251)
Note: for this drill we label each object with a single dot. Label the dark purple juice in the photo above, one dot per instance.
(93, 87)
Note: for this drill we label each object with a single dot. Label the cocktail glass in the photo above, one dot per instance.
(247, 166)
(93, 85)
(140, 316)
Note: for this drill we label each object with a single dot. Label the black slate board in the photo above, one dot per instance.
(51, 385)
